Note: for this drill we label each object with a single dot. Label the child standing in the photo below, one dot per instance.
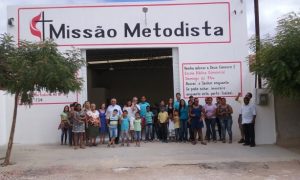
(137, 128)
(163, 121)
(176, 124)
(113, 122)
(149, 124)
(125, 128)
(64, 124)
(131, 129)
(171, 128)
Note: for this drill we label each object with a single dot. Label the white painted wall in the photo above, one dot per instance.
(3, 120)
(265, 126)
(38, 124)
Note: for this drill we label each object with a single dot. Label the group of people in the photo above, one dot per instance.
(175, 121)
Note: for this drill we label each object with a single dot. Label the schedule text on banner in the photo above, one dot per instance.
(214, 79)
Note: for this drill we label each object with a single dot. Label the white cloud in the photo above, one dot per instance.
(269, 11)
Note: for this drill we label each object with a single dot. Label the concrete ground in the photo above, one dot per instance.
(153, 161)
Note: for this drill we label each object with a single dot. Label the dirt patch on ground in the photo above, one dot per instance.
(152, 161)
(223, 170)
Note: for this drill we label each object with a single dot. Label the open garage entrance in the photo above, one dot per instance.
(124, 73)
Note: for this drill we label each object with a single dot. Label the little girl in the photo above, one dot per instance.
(131, 129)
(137, 128)
(176, 124)
(64, 124)
(171, 128)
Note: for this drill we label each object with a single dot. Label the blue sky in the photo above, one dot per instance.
(270, 10)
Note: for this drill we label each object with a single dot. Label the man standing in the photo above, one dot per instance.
(143, 109)
(135, 106)
(177, 102)
(248, 115)
(113, 105)
(249, 95)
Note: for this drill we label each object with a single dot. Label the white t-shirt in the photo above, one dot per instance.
(95, 114)
(129, 110)
(171, 125)
(135, 108)
(247, 112)
(110, 110)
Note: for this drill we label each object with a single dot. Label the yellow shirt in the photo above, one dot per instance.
(163, 117)
(177, 122)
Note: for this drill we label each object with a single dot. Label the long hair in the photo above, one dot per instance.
(180, 106)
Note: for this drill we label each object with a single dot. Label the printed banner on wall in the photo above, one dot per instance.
(127, 24)
(41, 98)
(212, 79)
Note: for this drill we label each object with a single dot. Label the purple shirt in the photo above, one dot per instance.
(209, 110)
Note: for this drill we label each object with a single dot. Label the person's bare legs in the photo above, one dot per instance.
(132, 136)
(123, 139)
(201, 137)
(195, 136)
(81, 141)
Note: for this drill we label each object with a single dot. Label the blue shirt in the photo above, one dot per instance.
(148, 117)
(184, 113)
(143, 106)
(125, 124)
(176, 105)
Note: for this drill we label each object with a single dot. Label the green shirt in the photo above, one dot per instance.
(137, 125)
(149, 117)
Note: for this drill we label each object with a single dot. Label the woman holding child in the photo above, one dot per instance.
(94, 123)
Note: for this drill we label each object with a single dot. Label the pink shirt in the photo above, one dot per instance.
(209, 110)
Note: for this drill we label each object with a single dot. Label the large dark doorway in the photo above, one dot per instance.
(124, 73)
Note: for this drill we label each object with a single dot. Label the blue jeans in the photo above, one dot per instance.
(177, 134)
(149, 128)
(211, 128)
(226, 123)
(113, 131)
(70, 136)
(137, 135)
(183, 129)
(64, 135)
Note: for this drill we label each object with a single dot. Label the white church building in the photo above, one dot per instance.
(155, 49)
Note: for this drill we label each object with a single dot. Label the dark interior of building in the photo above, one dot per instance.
(124, 73)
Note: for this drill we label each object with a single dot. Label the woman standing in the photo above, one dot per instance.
(210, 119)
(71, 117)
(94, 123)
(197, 116)
(224, 112)
(78, 127)
(130, 114)
(64, 124)
(87, 109)
(191, 133)
(183, 116)
(103, 125)
(170, 106)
